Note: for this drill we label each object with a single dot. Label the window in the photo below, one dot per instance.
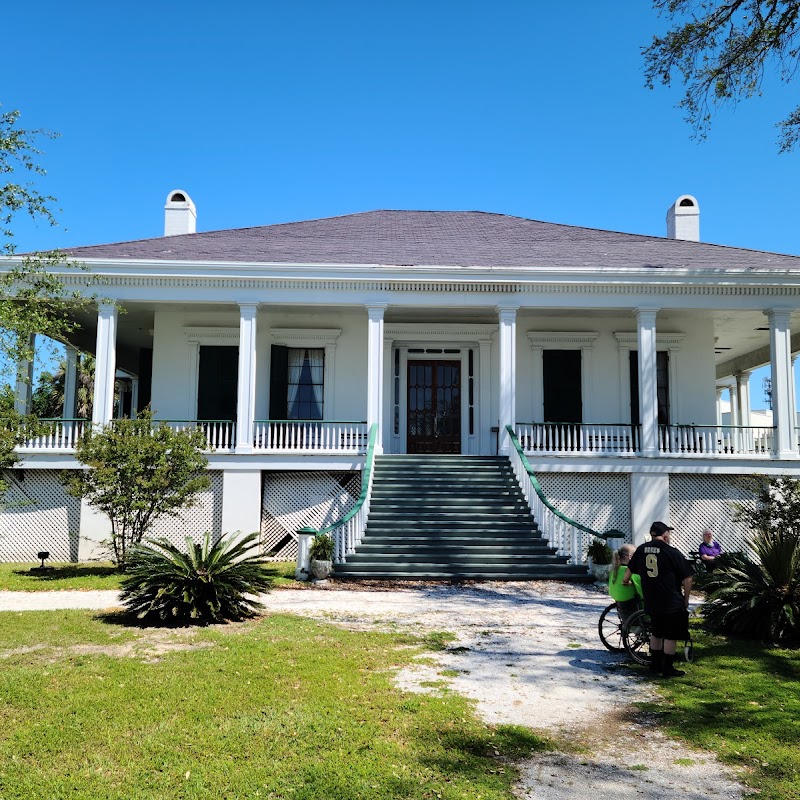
(218, 383)
(297, 383)
(561, 376)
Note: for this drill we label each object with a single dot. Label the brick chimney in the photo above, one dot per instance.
(683, 219)
(180, 215)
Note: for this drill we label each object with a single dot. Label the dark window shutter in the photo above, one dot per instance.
(634, 382)
(278, 380)
(217, 385)
(563, 401)
(662, 386)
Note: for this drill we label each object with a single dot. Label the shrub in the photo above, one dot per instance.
(757, 599)
(599, 551)
(140, 470)
(208, 583)
(321, 548)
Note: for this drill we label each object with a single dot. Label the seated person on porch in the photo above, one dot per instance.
(709, 551)
(628, 598)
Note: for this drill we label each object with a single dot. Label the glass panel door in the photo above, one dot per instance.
(434, 407)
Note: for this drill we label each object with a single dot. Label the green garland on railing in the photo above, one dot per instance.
(610, 534)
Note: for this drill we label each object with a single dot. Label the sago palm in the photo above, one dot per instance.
(208, 582)
(759, 598)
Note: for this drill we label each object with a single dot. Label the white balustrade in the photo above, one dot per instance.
(310, 435)
(717, 440)
(565, 537)
(550, 438)
(56, 434)
(220, 434)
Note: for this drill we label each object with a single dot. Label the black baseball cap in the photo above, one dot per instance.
(659, 529)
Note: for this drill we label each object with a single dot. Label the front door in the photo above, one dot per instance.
(434, 407)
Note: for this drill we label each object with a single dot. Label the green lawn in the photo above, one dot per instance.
(93, 575)
(741, 700)
(279, 707)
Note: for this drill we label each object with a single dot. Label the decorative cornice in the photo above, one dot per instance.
(201, 334)
(305, 337)
(433, 333)
(773, 285)
(666, 341)
(561, 338)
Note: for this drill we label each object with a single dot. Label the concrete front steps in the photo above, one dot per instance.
(450, 517)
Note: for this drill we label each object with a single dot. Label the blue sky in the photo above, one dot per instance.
(270, 112)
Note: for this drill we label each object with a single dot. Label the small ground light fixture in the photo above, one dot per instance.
(42, 555)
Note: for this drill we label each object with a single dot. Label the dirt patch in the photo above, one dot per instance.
(148, 646)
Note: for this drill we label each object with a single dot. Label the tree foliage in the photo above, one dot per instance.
(203, 584)
(722, 51)
(33, 298)
(48, 396)
(138, 470)
(760, 597)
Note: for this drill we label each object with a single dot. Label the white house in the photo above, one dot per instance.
(605, 352)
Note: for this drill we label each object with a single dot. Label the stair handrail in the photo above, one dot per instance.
(566, 531)
(347, 531)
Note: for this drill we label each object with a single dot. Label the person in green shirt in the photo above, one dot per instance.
(628, 598)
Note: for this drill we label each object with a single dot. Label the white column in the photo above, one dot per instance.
(70, 382)
(780, 346)
(735, 410)
(388, 405)
(507, 316)
(24, 389)
(743, 397)
(720, 390)
(246, 390)
(485, 395)
(648, 387)
(105, 364)
(793, 402)
(375, 370)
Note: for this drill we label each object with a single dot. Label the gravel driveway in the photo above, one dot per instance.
(527, 654)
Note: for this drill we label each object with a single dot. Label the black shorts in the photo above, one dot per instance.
(670, 626)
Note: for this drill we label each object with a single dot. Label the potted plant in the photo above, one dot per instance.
(321, 554)
(599, 554)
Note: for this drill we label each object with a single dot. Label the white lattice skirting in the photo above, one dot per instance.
(697, 502)
(205, 515)
(293, 500)
(38, 514)
(600, 501)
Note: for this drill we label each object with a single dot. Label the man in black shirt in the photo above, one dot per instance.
(666, 585)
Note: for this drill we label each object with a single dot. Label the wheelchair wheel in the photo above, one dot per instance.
(636, 637)
(610, 629)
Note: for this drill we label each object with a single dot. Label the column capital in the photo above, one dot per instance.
(248, 309)
(778, 315)
(375, 311)
(646, 313)
(507, 311)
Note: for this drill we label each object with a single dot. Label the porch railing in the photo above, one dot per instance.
(333, 436)
(551, 438)
(717, 440)
(55, 434)
(567, 536)
(348, 531)
(220, 433)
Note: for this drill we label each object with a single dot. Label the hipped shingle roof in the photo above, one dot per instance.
(438, 238)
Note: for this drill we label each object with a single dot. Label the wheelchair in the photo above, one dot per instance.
(633, 636)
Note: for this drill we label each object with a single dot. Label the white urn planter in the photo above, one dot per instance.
(321, 570)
